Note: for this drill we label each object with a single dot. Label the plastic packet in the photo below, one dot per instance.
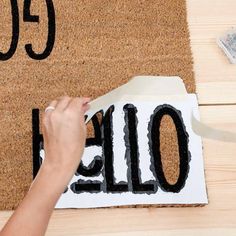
(228, 44)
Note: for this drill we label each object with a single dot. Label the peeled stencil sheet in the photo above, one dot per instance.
(142, 86)
(152, 88)
(145, 95)
(193, 191)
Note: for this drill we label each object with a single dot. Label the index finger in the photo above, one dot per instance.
(79, 102)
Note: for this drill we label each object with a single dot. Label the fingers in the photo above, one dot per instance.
(51, 104)
(66, 102)
(79, 103)
(86, 105)
(86, 99)
(59, 104)
(63, 103)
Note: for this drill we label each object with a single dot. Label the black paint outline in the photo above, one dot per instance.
(37, 142)
(95, 167)
(90, 186)
(132, 154)
(15, 32)
(108, 173)
(154, 147)
(27, 17)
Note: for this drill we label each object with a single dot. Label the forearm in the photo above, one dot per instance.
(64, 133)
(33, 214)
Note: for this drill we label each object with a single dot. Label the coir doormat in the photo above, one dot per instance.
(81, 48)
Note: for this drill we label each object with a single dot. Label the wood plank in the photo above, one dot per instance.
(215, 76)
(216, 84)
(218, 216)
(213, 93)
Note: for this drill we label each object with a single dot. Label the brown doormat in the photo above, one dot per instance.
(98, 46)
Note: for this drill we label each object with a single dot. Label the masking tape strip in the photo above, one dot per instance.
(208, 132)
(151, 88)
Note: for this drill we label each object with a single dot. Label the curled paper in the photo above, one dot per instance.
(208, 132)
(154, 88)
(121, 163)
(141, 88)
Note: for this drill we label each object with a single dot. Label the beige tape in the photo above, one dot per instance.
(148, 86)
(151, 88)
(206, 131)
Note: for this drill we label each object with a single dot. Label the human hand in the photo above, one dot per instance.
(64, 132)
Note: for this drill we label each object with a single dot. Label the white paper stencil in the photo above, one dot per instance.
(126, 146)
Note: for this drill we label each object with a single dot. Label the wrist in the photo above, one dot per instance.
(58, 168)
(54, 176)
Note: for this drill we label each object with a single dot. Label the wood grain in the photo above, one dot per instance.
(220, 166)
(216, 83)
(215, 76)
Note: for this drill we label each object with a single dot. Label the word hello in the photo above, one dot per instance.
(103, 137)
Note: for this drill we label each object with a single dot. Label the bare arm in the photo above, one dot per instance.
(64, 133)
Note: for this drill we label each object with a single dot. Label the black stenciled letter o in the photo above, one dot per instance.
(154, 145)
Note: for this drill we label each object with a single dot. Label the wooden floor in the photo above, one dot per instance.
(216, 89)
